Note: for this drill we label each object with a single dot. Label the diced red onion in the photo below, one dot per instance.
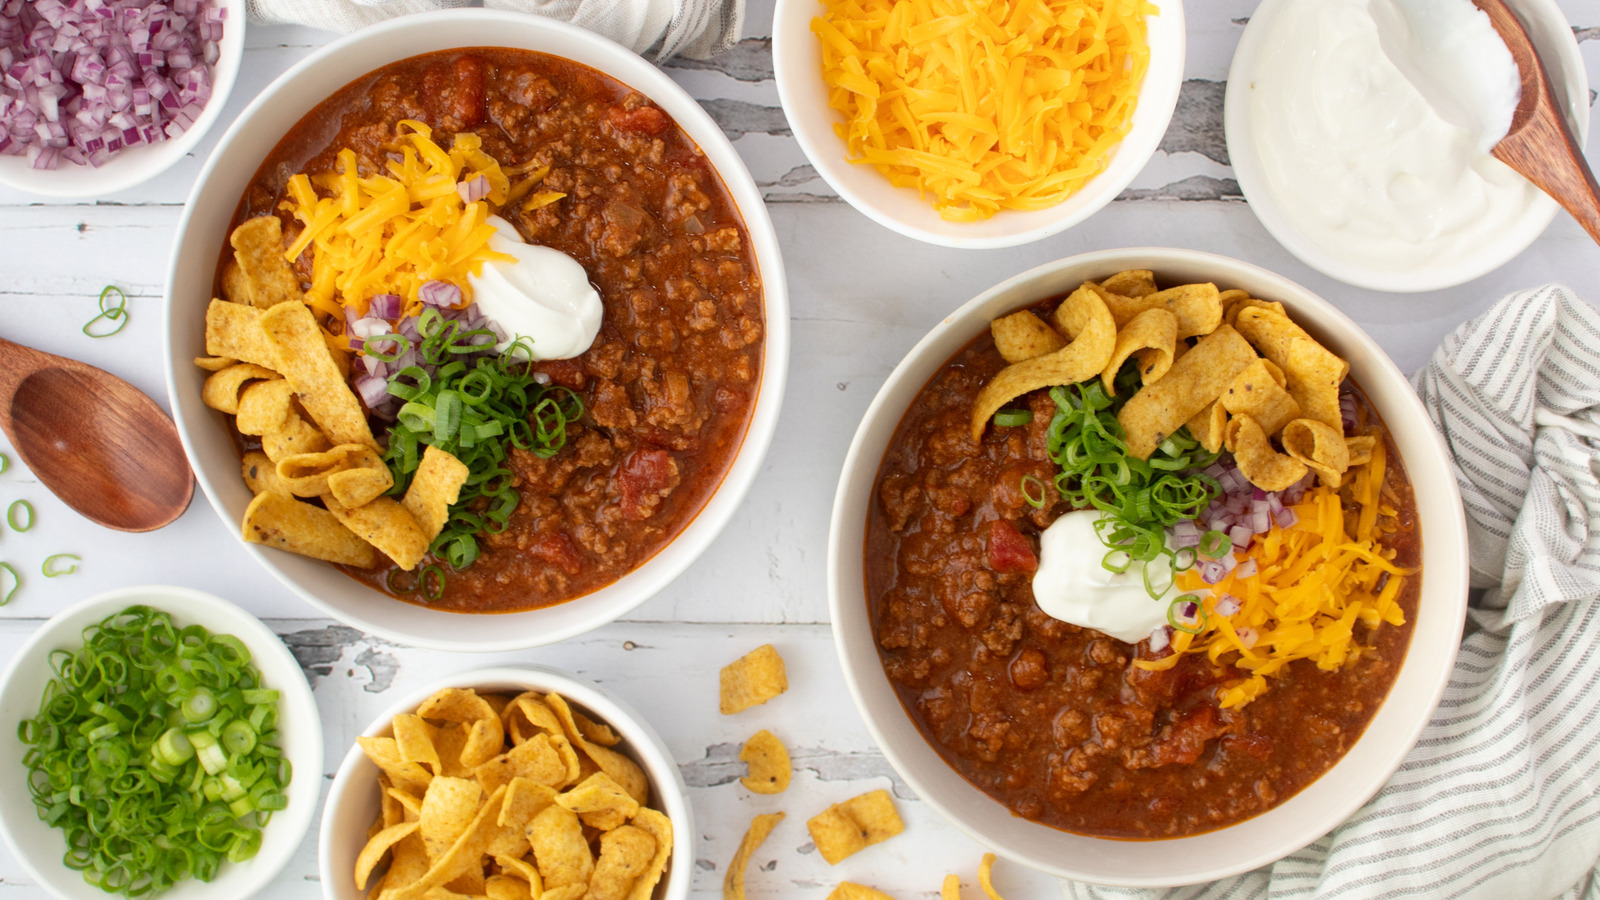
(83, 81)
(384, 306)
(1228, 604)
(1240, 535)
(1247, 637)
(1160, 639)
(364, 328)
(442, 294)
(1285, 518)
(473, 190)
(1184, 534)
(1211, 571)
(373, 389)
(1246, 569)
(1347, 412)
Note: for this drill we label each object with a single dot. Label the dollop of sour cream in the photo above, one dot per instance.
(1450, 52)
(545, 296)
(1073, 585)
(1363, 165)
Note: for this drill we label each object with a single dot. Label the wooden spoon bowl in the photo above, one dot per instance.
(96, 441)
(1541, 145)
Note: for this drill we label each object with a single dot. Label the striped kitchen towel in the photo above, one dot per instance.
(657, 29)
(1501, 797)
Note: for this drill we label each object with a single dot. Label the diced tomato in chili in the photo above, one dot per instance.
(643, 120)
(642, 475)
(1009, 551)
(558, 550)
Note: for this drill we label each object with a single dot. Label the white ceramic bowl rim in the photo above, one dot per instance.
(36, 845)
(201, 231)
(1554, 38)
(139, 164)
(669, 793)
(1254, 842)
(797, 63)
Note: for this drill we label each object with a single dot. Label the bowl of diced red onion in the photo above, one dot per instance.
(97, 96)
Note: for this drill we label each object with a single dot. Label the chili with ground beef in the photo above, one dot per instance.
(1054, 720)
(668, 385)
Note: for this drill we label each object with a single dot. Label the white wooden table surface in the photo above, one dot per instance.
(861, 296)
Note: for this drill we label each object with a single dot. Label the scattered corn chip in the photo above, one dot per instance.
(753, 679)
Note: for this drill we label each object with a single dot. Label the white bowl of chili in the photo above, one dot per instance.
(798, 52)
(40, 848)
(729, 458)
(895, 718)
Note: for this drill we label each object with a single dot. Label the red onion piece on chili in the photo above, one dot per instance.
(1228, 604)
(442, 294)
(1160, 639)
(384, 306)
(473, 190)
(373, 390)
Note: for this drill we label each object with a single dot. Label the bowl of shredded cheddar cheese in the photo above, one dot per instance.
(978, 125)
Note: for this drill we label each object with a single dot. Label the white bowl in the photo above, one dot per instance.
(352, 803)
(1557, 46)
(39, 847)
(203, 229)
(1253, 842)
(139, 164)
(797, 59)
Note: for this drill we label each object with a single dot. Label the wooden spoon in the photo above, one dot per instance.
(1540, 145)
(97, 442)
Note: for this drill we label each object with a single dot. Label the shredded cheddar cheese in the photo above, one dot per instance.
(391, 233)
(990, 105)
(1315, 581)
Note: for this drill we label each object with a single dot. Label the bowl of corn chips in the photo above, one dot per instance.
(504, 782)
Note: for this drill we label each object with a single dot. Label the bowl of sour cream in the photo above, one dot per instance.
(1364, 171)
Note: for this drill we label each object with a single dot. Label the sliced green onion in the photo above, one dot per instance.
(1011, 418)
(145, 796)
(113, 308)
(50, 570)
(5, 463)
(1215, 545)
(206, 749)
(16, 583)
(476, 409)
(1033, 491)
(174, 747)
(1199, 623)
(431, 580)
(1137, 498)
(369, 346)
(238, 737)
(1117, 561)
(198, 706)
(12, 517)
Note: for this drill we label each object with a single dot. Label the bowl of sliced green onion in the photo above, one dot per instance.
(167, 744)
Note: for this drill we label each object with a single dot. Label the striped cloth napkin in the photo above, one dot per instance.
(657, 29)
(1501, 797)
